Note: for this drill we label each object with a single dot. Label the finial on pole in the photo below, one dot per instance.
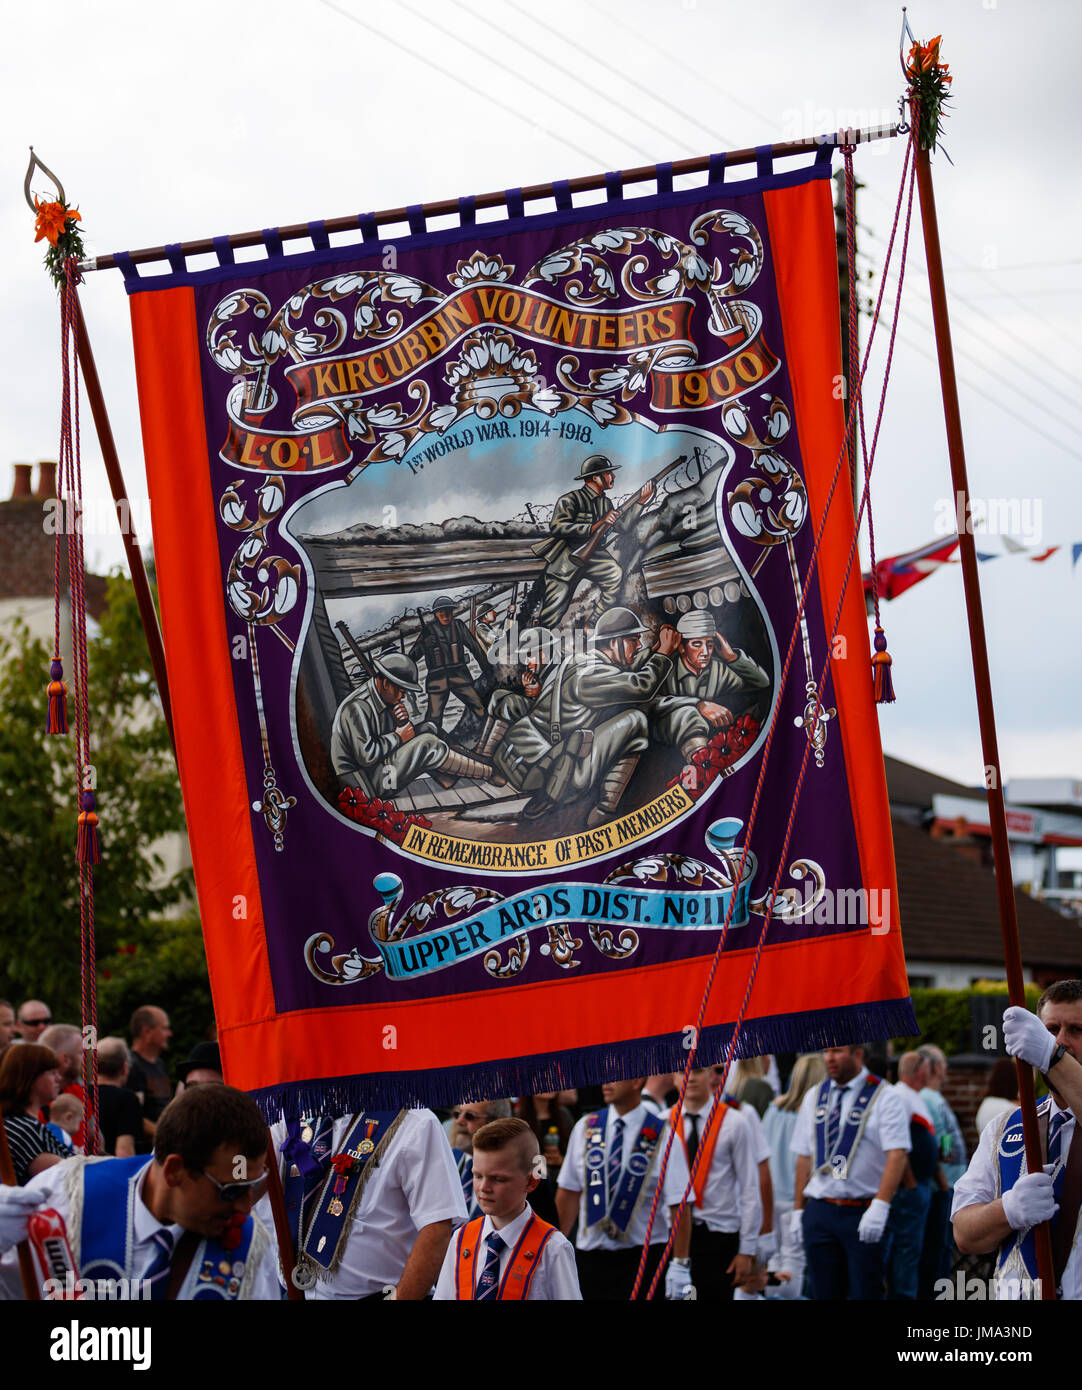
(35, 163)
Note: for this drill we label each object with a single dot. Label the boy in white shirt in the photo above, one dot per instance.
(508, 1252)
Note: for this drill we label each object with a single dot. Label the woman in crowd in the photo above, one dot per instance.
(29, 1081)
(1001, 1093)
(552, 1123)
(778, 1125)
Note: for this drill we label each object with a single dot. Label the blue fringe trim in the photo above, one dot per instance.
(557, 1071)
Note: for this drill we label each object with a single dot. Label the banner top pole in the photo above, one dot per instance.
(587, 183)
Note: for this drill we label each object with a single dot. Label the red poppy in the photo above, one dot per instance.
(342, 1164)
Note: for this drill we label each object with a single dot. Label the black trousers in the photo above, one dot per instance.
(608, 1276)
(711, 1254)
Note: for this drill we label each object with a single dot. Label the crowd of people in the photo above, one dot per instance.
(786, 1177)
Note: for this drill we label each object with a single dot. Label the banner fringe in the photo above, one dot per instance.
(807, 1032)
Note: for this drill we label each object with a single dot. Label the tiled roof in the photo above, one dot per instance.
(908, 785)
(950, 911)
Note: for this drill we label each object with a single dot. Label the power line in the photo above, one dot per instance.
(457, 77)
(1072, 381)
(526, 81)
(679, 58)
(651, 42)
(969, 267)
(631, 82)
(995, 400)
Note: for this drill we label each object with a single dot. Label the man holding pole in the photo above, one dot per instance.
(998, 1203)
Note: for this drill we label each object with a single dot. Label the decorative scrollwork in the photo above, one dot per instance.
(347, 968)
(790, 904)
(518, 953)
(613, 946)
(561, 945)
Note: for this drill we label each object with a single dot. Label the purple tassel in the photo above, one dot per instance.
(56, 721)
(882, 684)
(87, 846)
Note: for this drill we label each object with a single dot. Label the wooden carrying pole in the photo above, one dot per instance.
(535, 192)
(136, 567)
(286, 1253)
(1008, 918)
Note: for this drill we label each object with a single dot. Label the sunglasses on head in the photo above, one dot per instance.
(231, 1191)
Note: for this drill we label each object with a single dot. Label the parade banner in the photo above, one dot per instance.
(480, 550)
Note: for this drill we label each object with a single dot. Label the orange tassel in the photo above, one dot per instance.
(87, 845)
(56, 721)
(882, 682)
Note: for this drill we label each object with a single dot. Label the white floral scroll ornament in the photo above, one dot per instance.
(261, 589)
(246, 340)
(493, 375)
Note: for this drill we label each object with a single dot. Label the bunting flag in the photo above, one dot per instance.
(481, 556)
(897, 573)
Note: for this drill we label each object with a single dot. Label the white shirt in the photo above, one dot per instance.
(990, 1107)
(415, 1184)
(760, 1144)
(915, 1105)
(51, 1183)
(573, 1179)
(731, 1199)
(980, 1184)
(556, 1278)
(886, 1127)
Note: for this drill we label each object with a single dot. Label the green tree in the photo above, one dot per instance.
(138, 801)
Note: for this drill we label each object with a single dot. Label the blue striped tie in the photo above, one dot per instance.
(834, 1121)
(488, 1284)
(616, 1157)
(1055, 1140)
(157, 1272)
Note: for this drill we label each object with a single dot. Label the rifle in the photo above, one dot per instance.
(582, 555)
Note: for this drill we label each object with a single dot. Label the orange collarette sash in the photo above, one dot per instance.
(706, 1149)
(518, 1276)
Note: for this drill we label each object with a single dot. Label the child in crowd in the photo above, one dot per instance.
(508, 1252)
(65, 1117)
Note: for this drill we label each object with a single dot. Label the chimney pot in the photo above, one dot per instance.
(22, 481)
(46, 479)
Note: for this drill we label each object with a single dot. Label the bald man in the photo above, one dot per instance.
(67, 1042)
(34, 1017)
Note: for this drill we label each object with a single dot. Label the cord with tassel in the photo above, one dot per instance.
(87, 846)
(56, 721)
(882, 682)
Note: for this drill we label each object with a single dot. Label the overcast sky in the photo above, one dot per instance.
(169, 123)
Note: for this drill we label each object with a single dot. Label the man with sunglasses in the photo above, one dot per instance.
(466, 1120)
(180, 1221)
(34, 1017)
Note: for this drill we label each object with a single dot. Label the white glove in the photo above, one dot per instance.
(765, 1246)
(1025, 1036)
(874, 1222)
(796, 1229)
(16, 1204)
(792, 1287)
(1029, 1202)
(677, 1282)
